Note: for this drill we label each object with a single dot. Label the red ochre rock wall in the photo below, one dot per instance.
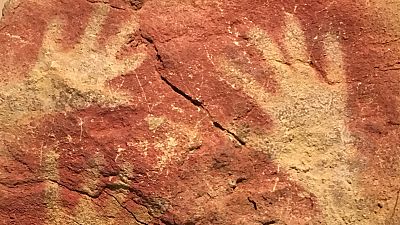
(199, 112)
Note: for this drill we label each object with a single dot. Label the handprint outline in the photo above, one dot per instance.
(309, 109)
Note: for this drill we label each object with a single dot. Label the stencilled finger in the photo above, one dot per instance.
(89, 38)
(49, 164)
(49, 167)
(294, 39)
(303, 76)
(128, 64)
(122, 37)
(272, 54)
(133, 62)
(244, 81)
(52, 201)
(335, 70)
(52, 37)
(266, 45)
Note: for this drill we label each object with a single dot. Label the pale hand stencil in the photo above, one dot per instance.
(309, 137)
(65, 80)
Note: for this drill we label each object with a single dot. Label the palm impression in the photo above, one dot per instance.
(308, 110)
(76, 78)
(63, 80)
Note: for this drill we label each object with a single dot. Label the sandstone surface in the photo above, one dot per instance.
(200, 112)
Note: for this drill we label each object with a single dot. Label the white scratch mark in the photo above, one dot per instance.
(143, 92)
(276, 183)
(81, 126)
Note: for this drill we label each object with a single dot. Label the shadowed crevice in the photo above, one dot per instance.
(219, 126)
(194, 101)
(126, 209)
(198, 103)
(133, 4)
(253, 203)
(152, 205)
(395, 205)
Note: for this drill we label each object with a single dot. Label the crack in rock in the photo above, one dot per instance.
(134, 4)
(253, 203)
(198, 103)
(104, 190)
(395, 205)
(126, 209)
(269, 222)
(194, 101)
(94, 196)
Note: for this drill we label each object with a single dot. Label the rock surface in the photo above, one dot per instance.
(199, 112)
(2, 2)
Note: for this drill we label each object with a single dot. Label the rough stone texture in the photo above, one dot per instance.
(2, 2)
(199, 112)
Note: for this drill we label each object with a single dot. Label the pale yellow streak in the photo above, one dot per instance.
(334, 60)
(95, 23)
(294, 39)
(270, 50)
(122, 37)
(49, 163)
(131, 63)
(245, 82)
(274, 58)
(51, 36)
(93, 174)
(86, 212)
